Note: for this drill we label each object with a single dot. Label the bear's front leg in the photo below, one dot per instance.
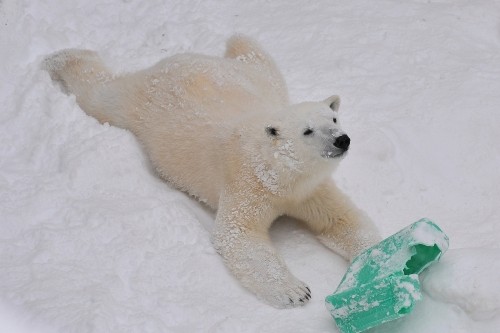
(241, 237)
(338, 223)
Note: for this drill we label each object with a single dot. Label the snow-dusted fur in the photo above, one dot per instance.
(222, 129)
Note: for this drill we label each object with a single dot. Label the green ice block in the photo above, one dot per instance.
(382, 283)
(374, 303)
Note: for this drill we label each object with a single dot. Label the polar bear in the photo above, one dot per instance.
(222, 129)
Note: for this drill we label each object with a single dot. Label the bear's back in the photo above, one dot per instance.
(193, 104)
(216, 88)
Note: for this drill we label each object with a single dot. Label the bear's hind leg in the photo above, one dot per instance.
(247, 50)
(76, 70)
(98, 92)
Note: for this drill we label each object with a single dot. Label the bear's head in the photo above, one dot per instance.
(299, 146)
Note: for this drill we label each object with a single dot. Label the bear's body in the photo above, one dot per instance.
(222, 130)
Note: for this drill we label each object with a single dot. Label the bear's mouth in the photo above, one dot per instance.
(335, 146)
(334, 154)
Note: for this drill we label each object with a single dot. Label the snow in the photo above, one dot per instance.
(475, 287)
(426, 234)
(91, 240)
(267, 177)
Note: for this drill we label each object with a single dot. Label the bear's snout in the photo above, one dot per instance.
(342, 142)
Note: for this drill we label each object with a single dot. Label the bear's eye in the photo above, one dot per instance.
(272, 131)
(308, 131)
(335, 120)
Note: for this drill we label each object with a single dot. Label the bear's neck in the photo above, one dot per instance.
(292, 184)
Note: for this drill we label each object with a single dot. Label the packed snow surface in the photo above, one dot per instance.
(91, 240)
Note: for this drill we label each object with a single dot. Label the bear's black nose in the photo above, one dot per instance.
(342, 142)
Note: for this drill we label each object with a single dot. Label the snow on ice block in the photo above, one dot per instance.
(382, 283)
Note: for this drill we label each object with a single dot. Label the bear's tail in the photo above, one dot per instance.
(82, 73)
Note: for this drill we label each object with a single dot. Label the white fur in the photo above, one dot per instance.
(204, 121)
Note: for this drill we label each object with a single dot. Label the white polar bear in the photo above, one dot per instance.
(222, 130)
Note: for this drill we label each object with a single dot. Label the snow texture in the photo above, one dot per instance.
(91, 240)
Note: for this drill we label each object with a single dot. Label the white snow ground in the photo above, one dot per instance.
(92, 241)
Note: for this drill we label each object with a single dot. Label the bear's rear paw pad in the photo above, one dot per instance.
(289, 293)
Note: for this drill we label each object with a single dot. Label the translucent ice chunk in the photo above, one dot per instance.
(382, 282)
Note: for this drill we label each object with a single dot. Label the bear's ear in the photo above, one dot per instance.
(333, 102)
